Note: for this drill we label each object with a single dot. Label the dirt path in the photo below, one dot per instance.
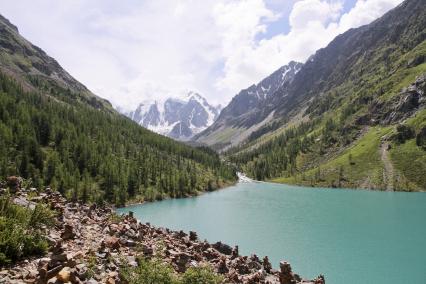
(388, 173)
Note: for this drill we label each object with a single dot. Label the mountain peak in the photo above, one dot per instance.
(6, 22)
(176, 117)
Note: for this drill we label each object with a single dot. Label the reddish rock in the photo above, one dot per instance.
(64, 275)
(68, 232)
(222, 248)
(147, 250)
(235, 252)
(182, 261)
(286, 275)
(266, 264)
(112, 243)
(193, 236)
(222, 268)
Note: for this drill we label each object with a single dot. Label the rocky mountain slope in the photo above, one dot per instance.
(327, 125)
(57, 133)
(90, 244)
(178, 118)
(242, 115)
(34, 69)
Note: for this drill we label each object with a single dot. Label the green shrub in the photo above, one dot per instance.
(149, 272)
(404, 132)
(421, 138)
(155, 271)
(201, 275)
(21, 230)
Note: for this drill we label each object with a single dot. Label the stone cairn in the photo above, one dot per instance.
(89, 244)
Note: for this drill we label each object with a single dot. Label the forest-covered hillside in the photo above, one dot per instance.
(55, 132)
(354, 115)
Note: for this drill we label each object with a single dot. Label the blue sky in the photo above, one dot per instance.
(130, 51)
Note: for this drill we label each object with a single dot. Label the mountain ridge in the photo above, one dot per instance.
(354, 92)
(242, 111)
(35, 69)
(177, 117)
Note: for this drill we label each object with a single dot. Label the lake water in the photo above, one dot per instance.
(350, 236)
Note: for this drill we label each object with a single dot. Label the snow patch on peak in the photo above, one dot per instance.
(179, 117)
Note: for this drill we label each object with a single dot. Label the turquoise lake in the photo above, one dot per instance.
(350, 236)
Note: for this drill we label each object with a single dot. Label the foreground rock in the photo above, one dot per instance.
(90, 244)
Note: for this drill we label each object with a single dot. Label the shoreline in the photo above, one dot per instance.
(249, 180)
(199, 193)
(342, 188)
(85, 234)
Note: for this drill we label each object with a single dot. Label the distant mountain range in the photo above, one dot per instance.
(178, 118)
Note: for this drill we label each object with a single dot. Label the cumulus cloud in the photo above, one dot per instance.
(313, 24)
(365, 11)
(130, 51)
(313, 11)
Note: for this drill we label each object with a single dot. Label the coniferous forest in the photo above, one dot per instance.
(95, 154)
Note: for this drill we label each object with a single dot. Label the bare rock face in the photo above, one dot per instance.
(409, 100)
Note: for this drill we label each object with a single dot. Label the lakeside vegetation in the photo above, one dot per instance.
(155, 271)
(22, 230)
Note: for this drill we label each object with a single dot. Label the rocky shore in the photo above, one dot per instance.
(90, 244)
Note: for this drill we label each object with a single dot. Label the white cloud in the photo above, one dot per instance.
(313, 24)
(365, 11)
(313, 11)
(132, 50)
(239, 23)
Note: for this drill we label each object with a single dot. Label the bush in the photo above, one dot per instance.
(404, 133)
(155, 271)
(421, 138)
(202, 274)
(21, 230)
(149, 272)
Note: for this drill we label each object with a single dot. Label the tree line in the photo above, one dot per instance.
(91, 154)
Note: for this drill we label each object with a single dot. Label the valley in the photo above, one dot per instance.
(319, 168)
(315, 133)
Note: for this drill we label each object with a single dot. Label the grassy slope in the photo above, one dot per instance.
(367, 172)
(364, 169)
(410, 160)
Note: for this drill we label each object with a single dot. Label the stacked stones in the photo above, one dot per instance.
(89, 245)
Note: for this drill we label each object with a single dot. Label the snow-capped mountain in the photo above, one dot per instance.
(178, 118)
(249, 109)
